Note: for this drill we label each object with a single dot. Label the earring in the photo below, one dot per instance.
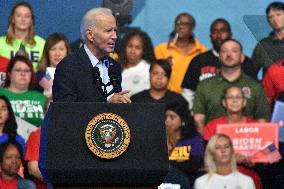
(183, 124)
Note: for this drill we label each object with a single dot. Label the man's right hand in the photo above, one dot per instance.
(120, 97)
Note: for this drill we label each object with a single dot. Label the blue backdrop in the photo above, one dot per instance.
(153, 16)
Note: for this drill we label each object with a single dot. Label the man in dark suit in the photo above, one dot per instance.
(76, 79)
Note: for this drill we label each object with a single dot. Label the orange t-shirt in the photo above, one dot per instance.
(180, 61)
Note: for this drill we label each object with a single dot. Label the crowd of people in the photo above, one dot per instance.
(200, 88)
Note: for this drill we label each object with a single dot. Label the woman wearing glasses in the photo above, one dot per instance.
(26, 103)
(234, 101)
(181, 48)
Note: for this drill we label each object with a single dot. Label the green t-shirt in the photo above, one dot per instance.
(28, 105)
(209, 92)
(8, 51)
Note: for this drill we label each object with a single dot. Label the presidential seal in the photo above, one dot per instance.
(107, 135)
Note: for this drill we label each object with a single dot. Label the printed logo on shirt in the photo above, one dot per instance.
(207, 72)
(107, 135)
(247, 91)
(180, 153)
(27, 109)
(33, 55)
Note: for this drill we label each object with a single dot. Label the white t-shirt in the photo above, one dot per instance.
(235, 180)
(137, 78)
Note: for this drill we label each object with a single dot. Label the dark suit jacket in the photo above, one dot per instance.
(74, 81)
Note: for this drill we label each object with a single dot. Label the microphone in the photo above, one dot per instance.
(98, 80)
(113, 79)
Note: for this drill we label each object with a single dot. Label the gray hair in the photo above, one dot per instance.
(209, 161)
(90, 19)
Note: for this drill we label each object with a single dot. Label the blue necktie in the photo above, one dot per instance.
(104, 60)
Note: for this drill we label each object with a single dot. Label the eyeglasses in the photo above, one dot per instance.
(187, 24)
(19, 70)
(234, 97)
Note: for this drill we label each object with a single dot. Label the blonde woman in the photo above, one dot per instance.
(220, 164)
(20, 33)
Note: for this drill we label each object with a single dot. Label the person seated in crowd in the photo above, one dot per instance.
(55, 49)
(160, 72)
(271, 48)
(234, 101)
(135, 57)
(8, 124)
(21, 31)
(11, 159)
(26, 103)
(221, 167)
(207, 64)
(207, 102)
(181, 49)
(273, 81)
(185, 144)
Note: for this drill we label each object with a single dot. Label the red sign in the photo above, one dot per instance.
(251, 139)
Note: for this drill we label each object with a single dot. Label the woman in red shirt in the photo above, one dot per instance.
(11, 158)
(234, 102)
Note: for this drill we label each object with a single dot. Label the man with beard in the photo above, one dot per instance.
(207, 103)
(207, 64)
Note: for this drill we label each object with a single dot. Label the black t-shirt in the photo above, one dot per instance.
(207, 65)
(145, 97)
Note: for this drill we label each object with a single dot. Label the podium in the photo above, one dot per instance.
(66, 160)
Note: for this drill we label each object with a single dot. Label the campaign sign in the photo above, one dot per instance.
(252, 139)
(278, 117)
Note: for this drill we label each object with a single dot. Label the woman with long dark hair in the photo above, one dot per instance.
(55, 49)
(8, 124)
(185, 144)
(135, 57)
